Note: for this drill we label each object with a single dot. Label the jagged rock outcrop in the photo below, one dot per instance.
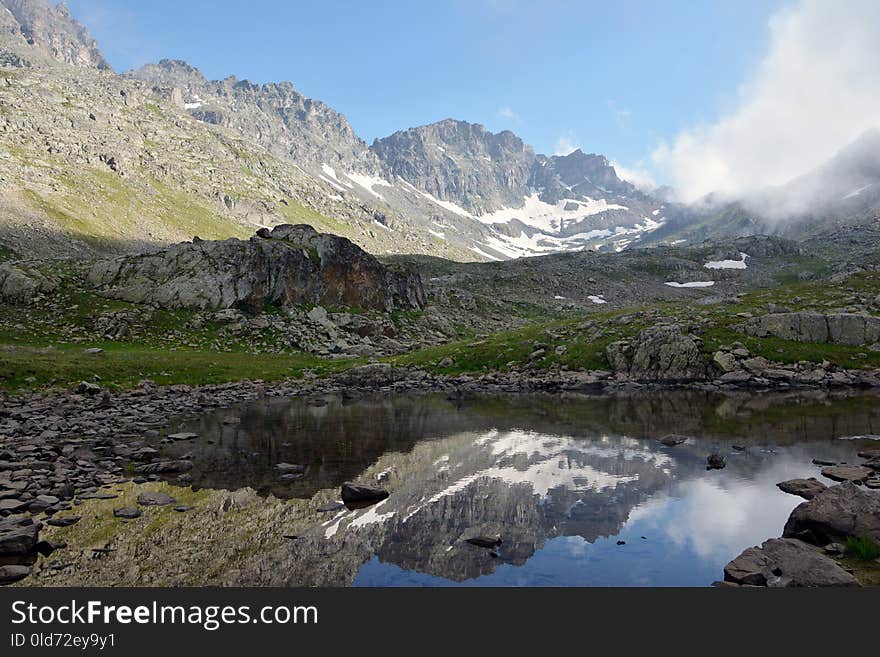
(19, 284)
(460, 162)
(659, 353)
(274, 115)
(50, 30)
(289, 265)
(838, 328)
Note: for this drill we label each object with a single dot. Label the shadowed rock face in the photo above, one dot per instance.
(290, 265)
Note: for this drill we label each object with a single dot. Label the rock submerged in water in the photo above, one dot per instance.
(673, 439)
(786, 562)
(806, 488)
(289, 265)
(361, 495)
(488, 542)
(715, 462)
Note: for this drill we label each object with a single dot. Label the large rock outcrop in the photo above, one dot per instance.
(20, 283)
(835, 514)
(838, 328)
(289, 265)
(786, 562)
(659, 353)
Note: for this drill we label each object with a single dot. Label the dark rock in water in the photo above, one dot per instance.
(17, 536)
(673, 439)
(845, 472)
(715, 462)
(164, 467)
(835, 514)
(66, 521)
(821, 462)
(621, 542)
(487, 542)
(128, 512)
(10, 574)
(359, 495)
(806, 488)
(786, 562)
(155, 499)
(289, 468)
(290, 477)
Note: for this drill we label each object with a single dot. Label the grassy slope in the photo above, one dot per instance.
(41, 349)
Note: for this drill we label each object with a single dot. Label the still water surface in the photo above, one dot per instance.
(563, 480)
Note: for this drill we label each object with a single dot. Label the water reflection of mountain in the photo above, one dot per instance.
(579, 469)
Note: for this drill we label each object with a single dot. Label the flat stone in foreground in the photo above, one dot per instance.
(846, 472)
(806, 488)
(786, 562)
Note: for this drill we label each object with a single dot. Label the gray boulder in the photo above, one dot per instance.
(659, 353)
(786, 562)
(13, 573)
(20, 284)
(289, 265)
(356, 495)
(17, 536)
(835, 514)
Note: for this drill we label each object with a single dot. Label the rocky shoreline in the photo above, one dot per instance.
(60, 447)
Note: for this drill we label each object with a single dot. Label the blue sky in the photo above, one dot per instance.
(610, 77)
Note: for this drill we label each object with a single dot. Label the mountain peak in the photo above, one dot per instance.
(52, 32)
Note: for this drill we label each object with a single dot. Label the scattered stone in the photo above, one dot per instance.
(164, 467)
(715, 462)
(13, 573)
(806, 488)
(128, 512)
(289, 468)
(846, 472)
(823, 462)
(836, 514)
(155, 499)
(86, 388)
(66, 521)
(362, 494)
(17, 535)
(183, 509)
(93, 350)
(183, 435)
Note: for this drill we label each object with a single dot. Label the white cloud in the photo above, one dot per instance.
(815, 91)
(638, 175)
(565, 145)
(506, 112)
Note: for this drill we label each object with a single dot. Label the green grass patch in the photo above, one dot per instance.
(863, 548)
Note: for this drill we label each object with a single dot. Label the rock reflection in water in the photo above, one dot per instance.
(561, 481)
